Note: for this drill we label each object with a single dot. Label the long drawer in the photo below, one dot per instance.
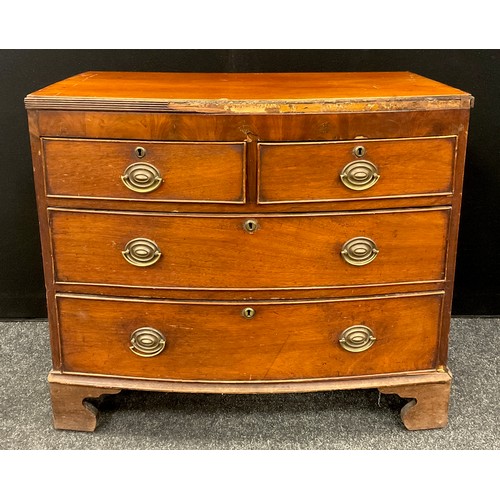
(222, 341)
(361, 169)
(145, 170)
(322, 250)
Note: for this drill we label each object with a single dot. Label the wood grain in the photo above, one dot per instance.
(216, 252)
(406, 167)
(238, 128)
(43, 223)
(249, 93)
(452, 241)
(71, 411)
(253, 386)
(429, 406)
(213, 341)
(206, 172)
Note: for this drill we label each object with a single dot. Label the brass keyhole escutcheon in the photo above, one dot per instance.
(250, 226)
(359, 151)
(140, 152)
(248, 312)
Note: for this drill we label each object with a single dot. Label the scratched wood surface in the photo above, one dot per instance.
(249, 92)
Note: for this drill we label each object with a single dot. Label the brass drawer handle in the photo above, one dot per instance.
(357, 338)
(141, 252)
(147, 342)
(141, 177)
(359, 251)
(359, 175)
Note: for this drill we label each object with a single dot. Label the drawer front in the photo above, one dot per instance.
(355, 169)
(214, 341)
(156, 171)
(176, 251)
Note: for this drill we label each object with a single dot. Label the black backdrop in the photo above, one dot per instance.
(477, 287)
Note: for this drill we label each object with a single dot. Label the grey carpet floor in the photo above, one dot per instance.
(341, 420)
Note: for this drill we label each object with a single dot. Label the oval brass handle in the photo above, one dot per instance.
(357, 338)
(147, 342)
(359, 251)
(141, 177)
(359, 175)
(141, 252)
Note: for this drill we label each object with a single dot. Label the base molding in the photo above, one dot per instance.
(429, 391)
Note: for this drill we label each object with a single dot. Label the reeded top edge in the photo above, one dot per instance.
(248, 93)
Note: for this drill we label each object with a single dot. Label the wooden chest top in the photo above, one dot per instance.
(251, 93)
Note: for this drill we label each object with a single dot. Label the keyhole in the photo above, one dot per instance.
(248, 312)
(250, 226)
(140, 152)
(359, 151)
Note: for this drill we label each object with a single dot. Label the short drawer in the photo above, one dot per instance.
(140, 170)
(216, 341)
(361, 169)
(258, 252)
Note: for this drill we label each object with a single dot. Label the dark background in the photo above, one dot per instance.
(477, 285)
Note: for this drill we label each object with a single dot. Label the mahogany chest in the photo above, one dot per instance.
(249, 233)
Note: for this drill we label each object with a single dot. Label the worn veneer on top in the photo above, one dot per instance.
(249, 93)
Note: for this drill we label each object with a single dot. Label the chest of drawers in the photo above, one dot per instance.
(249, 233)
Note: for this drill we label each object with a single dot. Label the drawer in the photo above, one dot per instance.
(361, 169)
(217, 252)
(214, 341)
(156, 171)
